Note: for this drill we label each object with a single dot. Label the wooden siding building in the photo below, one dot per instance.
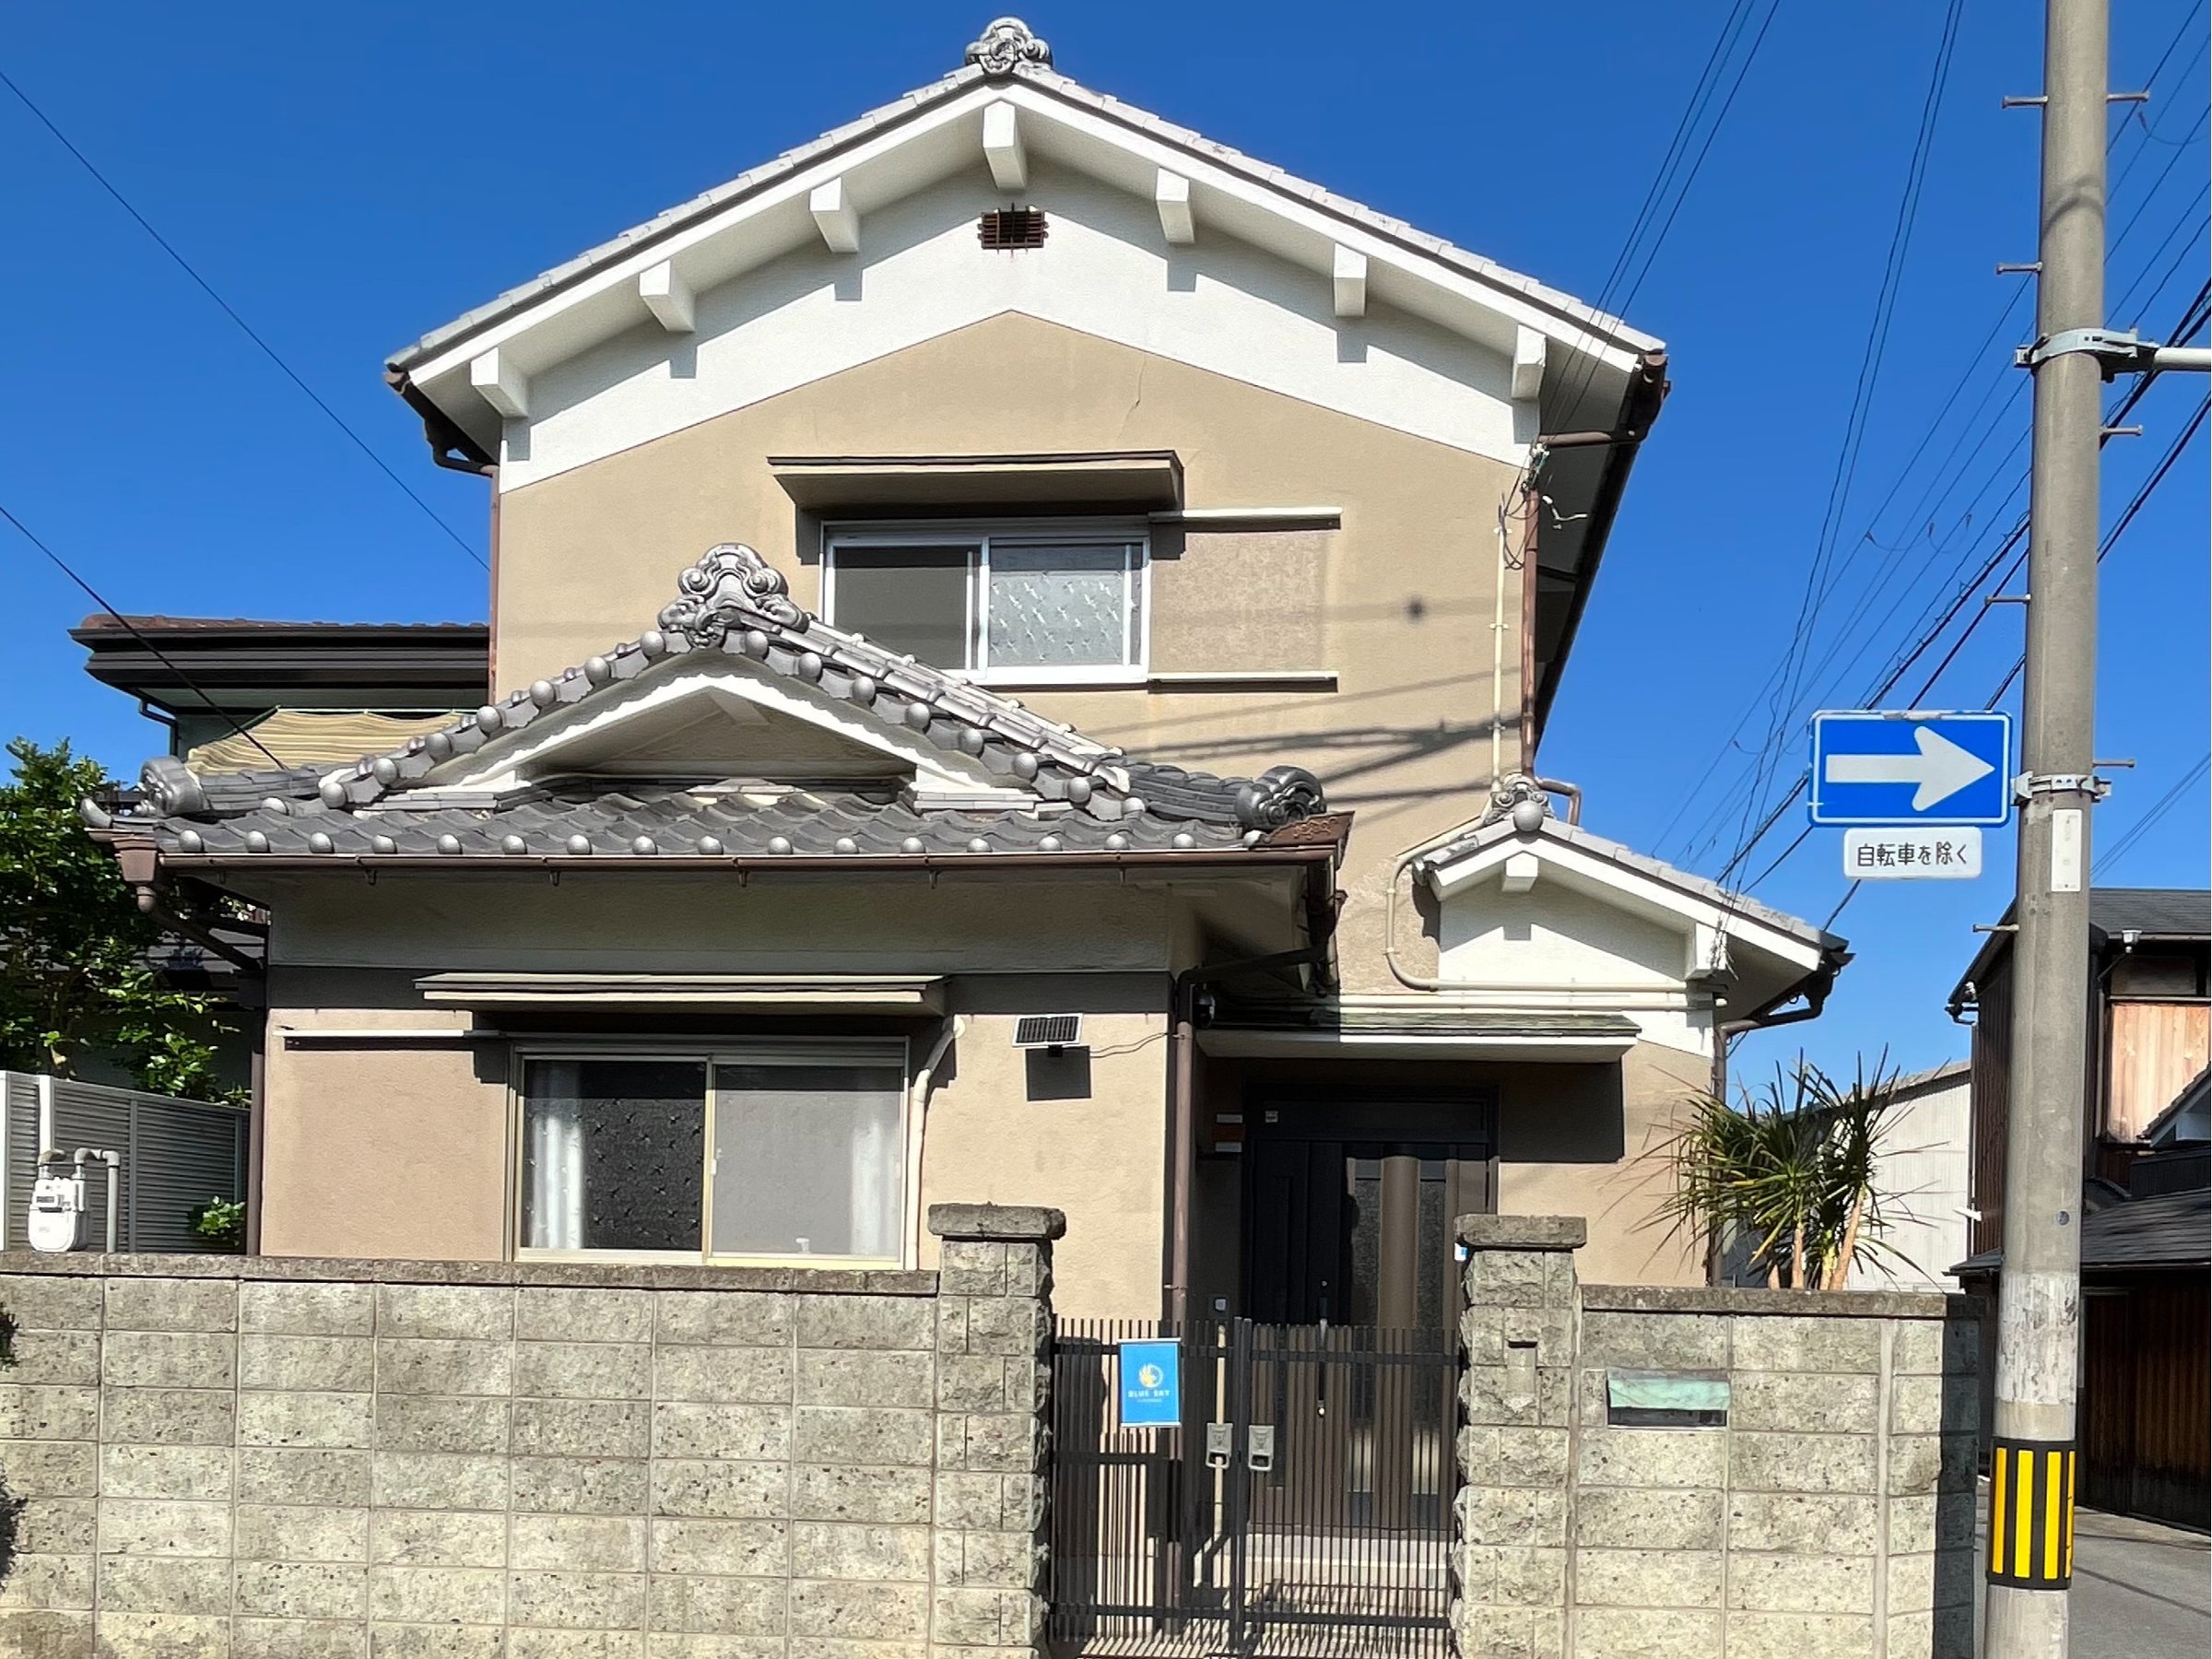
(2145, 1402)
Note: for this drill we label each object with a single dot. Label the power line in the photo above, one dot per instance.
(1870, 364)
(2159, 808)
(2196, 425)
(130, 628)
(2194, 318)
(1697, 841)
(2110, 539)
(230, 311)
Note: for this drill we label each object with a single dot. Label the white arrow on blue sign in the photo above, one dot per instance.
(1909, 767)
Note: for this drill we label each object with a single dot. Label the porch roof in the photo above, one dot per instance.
(1301, 1027)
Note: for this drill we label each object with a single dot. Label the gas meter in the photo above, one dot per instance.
(57, 1205)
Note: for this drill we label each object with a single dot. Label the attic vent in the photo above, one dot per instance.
(1011, 228)
(1048, 1031)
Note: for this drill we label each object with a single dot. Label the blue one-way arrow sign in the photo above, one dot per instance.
(1912, 768)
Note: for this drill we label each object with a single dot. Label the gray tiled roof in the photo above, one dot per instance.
(1080, 795)
(2184, 912)
(1598, 846)
(674, 219)
(2173, 1230)
(583, 822)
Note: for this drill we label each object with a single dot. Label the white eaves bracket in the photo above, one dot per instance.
(835, 217)
(668, 297)
(1172, 196)
(1002, 147)
(500, 384)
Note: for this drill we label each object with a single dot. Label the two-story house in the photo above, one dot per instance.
(1020, 641)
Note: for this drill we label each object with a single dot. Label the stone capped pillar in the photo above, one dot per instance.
(1516, 1445)
(995, 1328)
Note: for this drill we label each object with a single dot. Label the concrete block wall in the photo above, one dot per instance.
(293, 1459)
(1832, 1518)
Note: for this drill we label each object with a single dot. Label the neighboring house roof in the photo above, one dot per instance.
(1019, 783)
(2171, 914)
(187, 665)
(2173, 1230)
(1934, 1077)
(2192, 1100)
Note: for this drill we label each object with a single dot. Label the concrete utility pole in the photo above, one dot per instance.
(2039, 1312)
(2038, 1309)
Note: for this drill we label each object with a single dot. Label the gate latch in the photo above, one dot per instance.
(1218, 1445)
(1259, 1452)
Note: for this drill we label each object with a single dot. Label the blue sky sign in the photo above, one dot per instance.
(1151, 1385)
(1876, 767)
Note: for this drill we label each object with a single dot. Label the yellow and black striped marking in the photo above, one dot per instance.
(2031, 1514)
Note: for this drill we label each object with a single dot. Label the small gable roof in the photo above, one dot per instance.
(1010, 779)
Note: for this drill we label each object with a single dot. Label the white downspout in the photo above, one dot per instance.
(917, 1118)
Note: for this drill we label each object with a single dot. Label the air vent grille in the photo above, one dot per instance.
(1011, 228)
(1048, 1031)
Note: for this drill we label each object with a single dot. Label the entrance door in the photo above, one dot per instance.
(1348, 1222)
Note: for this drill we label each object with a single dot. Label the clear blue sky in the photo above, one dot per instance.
(350, 177)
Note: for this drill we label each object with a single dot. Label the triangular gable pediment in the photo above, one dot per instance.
(712, 717)
(1505, 875)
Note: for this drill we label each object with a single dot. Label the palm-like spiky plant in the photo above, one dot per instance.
(1789, 1174)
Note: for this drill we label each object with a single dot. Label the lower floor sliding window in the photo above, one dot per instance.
(771, 1150)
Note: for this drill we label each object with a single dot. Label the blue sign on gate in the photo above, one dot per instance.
(1876, 767)
(1151, 1385)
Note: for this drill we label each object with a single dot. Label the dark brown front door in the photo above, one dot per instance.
(1348, 1211)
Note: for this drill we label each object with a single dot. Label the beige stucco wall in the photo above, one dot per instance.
(996, 1132)
(1399, 603)
(392, 1149)
(404, 1148)
(1567, 1149)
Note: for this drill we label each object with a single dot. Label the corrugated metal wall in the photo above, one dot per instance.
(18, 1146)
(2147, 1398)
(176, 1155)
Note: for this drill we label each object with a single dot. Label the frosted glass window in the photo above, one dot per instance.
(613, 1154)
(809, 1159)
(1058, 604)
(1061, 607)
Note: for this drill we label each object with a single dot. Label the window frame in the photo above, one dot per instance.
(889, 1052)
(1132, 535)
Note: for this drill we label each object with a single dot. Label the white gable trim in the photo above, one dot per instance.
(939, 777)
(1707, 926)
(942, 139)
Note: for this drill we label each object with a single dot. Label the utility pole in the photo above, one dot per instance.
(2038, 1311)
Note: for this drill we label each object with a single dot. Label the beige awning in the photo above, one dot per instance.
(1141, 480)
(799, 993)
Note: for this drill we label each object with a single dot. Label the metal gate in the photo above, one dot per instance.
(1302, 1509)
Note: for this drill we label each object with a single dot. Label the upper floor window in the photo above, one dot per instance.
(1041, 604)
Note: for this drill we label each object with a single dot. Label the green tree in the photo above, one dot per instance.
(76, 979)
(1791, 1173)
